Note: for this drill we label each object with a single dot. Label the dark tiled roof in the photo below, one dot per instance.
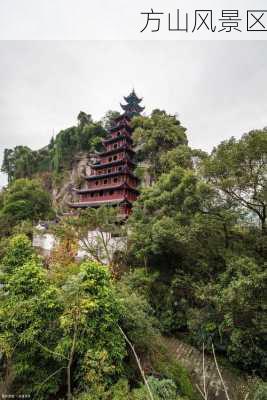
(110, 174)
(112, 163)
(107, 187)
(117, 138)
(117, 150)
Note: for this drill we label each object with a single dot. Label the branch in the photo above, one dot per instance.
(91, 249)
(50, 351)
(244, 202)
(204, 372)
(50, 376)
(200, 391)
(219, 372)
(105, 247)
(138, 363)
(204, 394)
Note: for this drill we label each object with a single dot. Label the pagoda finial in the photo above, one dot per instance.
(132, 106)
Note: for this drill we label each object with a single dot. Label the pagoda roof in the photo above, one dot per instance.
(120, 126)
(114, 151)
(132, 109)
(121, 117)
(111, 174)
(85, 204)
(117, 138)
(112, 163)
(123, 185)
(132, 98)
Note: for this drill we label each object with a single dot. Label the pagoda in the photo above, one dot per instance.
(112, 181)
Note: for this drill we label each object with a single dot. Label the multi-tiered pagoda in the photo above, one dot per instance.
(112, 180)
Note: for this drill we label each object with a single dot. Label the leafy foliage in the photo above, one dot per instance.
(239, 169)
(138, 320)
(210, 261)
(261, 392)
(28, 308)
(22, 162)
(155, 136)
(89, 323)
(19, 250)
(234, 313)
(191, 261)
(98, 231)
(24, 200)
(50, 330)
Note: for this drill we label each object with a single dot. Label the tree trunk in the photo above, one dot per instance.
(263, 221)
(69, 394)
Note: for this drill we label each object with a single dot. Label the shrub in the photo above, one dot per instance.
(261, 392)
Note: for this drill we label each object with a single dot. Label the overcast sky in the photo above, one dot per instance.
(218, 88)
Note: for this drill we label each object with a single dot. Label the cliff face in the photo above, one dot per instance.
(62, 191)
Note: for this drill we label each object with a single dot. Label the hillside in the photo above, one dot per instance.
(187, 271)
(61, 164)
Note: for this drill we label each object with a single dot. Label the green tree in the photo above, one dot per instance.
(57, 335)
(99, 232)
(90, 336)
(108, 120)
(19, 250)
(138, 320)
(233, 313)
(19, 162)
(170, 218)
(25, 199)
(156, 135)
(29, 310)
(238, 168)
(84, 119)
(261, 392)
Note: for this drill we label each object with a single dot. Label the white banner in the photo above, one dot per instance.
(133, 20)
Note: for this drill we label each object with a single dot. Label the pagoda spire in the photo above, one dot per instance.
(132, 107)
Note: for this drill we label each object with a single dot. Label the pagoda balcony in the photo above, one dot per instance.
(113, 139)
(115, 150)
(112, 163)
(127, 172)
(121, 203)
(109, 196)
(97, 188)
(122, 126)
(118, 143)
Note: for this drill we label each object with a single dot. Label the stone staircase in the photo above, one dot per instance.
(192, 360)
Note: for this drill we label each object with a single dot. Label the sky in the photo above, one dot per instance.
(218, 88)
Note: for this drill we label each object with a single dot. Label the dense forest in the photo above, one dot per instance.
(190, 265)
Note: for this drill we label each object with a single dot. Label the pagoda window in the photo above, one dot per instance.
(105, 181)
(115, 145)
(109, 170)
(120, 168)
(115, 158)
(110, 159)
(118, 134)
(96, 182)
(115, 180)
